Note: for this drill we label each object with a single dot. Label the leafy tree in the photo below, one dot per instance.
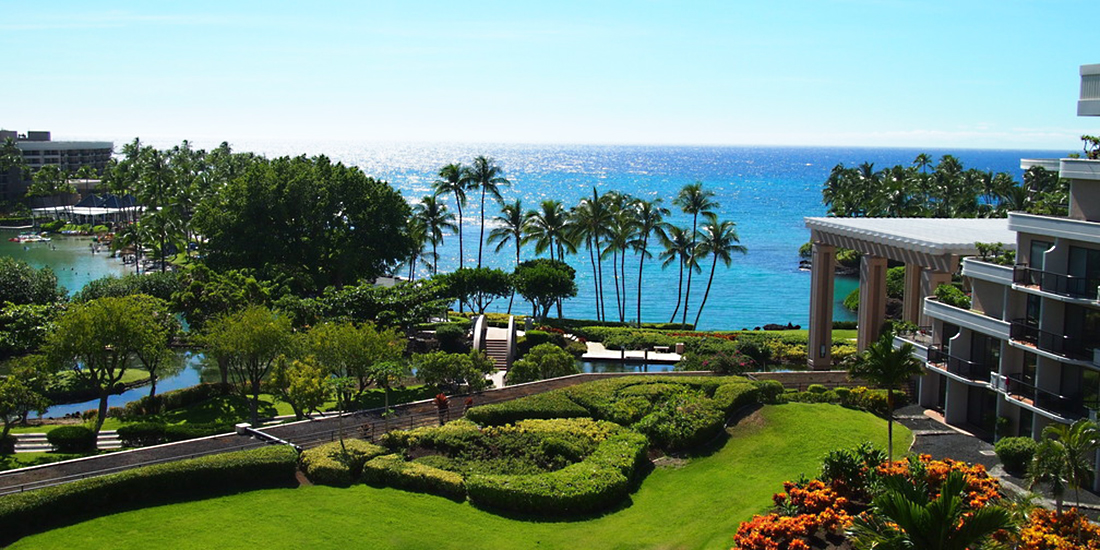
(485, 175)
(302, 384)
(388, 375)
(324, 223)
(249, 341)
(22, 284)
(904, 517)
(100, 339)
(720, 242)
(11, 159)
(479, 286)
(204, 293)
(159, 285)
(451, 371)
(402, 305)
(48, 181)
(23, 327)
(18, 395)
(452, 180)
(1064, 458)
(348, 353)
(883, 365)
(542, 362)
(543, 282)
(694, 200)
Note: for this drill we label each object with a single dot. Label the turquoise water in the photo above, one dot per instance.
(71, 258)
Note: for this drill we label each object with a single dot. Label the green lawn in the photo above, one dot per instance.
(696, 504)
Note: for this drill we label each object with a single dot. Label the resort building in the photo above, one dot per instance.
(1026, 352)
(38, 151)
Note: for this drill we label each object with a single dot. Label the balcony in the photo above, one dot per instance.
(1065, 228)
(985, 271)
(965, 318)
(1023, 389)
(1062, 345)
(1056, 283)
(971, 370)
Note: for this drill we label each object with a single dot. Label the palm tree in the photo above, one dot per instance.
(509, 228)
(588, 221)
(485, 175)
(619, 235)
(418, 232)
(1064, 458)
(649, 219)
(719, 240)
(887, 367)
(922, 162)
(549, 229)
(904, 517)
(694, 200)
(452, 181)
(677, 245)
(435, 217)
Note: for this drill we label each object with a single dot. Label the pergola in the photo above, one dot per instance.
(930, 248)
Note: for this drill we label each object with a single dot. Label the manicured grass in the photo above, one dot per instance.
(22, 460)
(694, 504)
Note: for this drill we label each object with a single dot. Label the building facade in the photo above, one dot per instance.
(38, 151)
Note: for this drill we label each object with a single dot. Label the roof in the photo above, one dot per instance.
(928, 235)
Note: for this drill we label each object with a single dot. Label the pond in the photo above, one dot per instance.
(187, 371)
(629, 366)
(71, 258)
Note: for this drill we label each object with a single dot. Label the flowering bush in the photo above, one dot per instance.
(980, 487)
(1049, 530)
(815, 511)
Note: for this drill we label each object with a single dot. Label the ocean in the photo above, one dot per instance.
(767, 191)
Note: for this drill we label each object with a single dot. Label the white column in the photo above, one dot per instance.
(913, 303)
(872, 299)
(822, 278)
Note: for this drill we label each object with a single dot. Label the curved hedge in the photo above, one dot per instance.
(392, 470)
(338, 463)
(596, 483)
(22, 514)
(72, 439)
(553, 404)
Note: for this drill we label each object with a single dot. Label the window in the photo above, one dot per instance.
(1037, 254)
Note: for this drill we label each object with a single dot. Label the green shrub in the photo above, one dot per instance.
(394, 471)
(452, 337)
(542, 362)
(181, 432)
(843, 394)
(339, 463)
(1015, 453)
(554, 404)
(141, 434)
(175, 399)
(72, 439)
(22, 514)
(7, 445)
(730, 397)
(681, 422)
(576, 348)
(817, 388)
(874, 401)
(952, 296)
(770, 390)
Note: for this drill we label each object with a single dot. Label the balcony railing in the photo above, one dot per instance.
(1057, 283)
(920, 335)
(972, 370)
(1023, 388)
(1059, 344)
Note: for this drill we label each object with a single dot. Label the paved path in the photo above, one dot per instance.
(596, 352)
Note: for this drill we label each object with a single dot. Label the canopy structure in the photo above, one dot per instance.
(93, 209)
(930, 248)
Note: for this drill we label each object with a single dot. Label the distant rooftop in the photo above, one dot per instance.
(928, 235)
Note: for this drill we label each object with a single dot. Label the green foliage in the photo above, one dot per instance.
(478, 286)
(554, 404)
(952, 296)
(452, 337)
(1092, 147)
(451, 371)
(25, 513)
(872, 401)
(161, 285)
(72, 439)
(394, 471)
(403, 305)
(1015, 453)
(141, 434)
(302, 384)
(852, 470)
(175, 399)
(542, 362)
(817, 388)
(349, 352)
(339, 463)
(995, 253)
(204, 293)
(22, 284)
(682, 421)
(20, 393)
(23, 327)
(770, 390)
(542, 282)
(318, 222)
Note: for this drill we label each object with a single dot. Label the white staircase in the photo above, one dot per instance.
(37, 442)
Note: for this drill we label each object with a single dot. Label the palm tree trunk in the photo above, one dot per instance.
(679, 293)
(687, 291)
(622, 269)
(481, 238)
(641, 262)
(602, 313)
(615, 270)
(595, 283)
(513, 296)
(435, 259)
(707, 292)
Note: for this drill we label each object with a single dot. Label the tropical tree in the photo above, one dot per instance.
(619, 237)
(649, 220)
(348, 353)
(1064, 458)
(694, 200)
(509, 229)
(302, 384)
(677, 244)
(49, 180)
(904, 516)
(19, 394)
(11, 159)
(485, 175)
(542, 362)
(719, 240)
(452, 181)
(588, 222)
(451, 371)
(887, 367)
(479, 286)
(543, 282)
(435, 218)
(418, 234)
(156, 356)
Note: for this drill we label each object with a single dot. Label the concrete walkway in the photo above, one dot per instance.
(597, 352)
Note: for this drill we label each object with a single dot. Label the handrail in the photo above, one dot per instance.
(510, 341)
(480, 327)
(1057, 283)
(974, 370)
(1067, 346)
(1074, 406)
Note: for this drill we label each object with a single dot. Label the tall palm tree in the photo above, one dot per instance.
(677, 246)
(486, 175)
(649, 217)
(1064, 458)
(883, 365)
(905, 517)
(719, 240)
(509, 229)
(588, 223)
(451, 180)
(694, 200)
(419, 235)
(549, 229)
(619, 235)
(435, 217)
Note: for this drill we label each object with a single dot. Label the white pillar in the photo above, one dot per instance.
(913, 302)
(872, 299)
(822, 278)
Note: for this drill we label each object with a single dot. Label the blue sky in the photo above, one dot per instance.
(930, 73)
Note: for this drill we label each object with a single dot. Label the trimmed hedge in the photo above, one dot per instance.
(1015, 453)
(597, 483)
(72, 439)
(733, 396)
(554, 404)
(22, 514)
(176, 399)
(144, 434)
(392, 470)
(338, 463)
